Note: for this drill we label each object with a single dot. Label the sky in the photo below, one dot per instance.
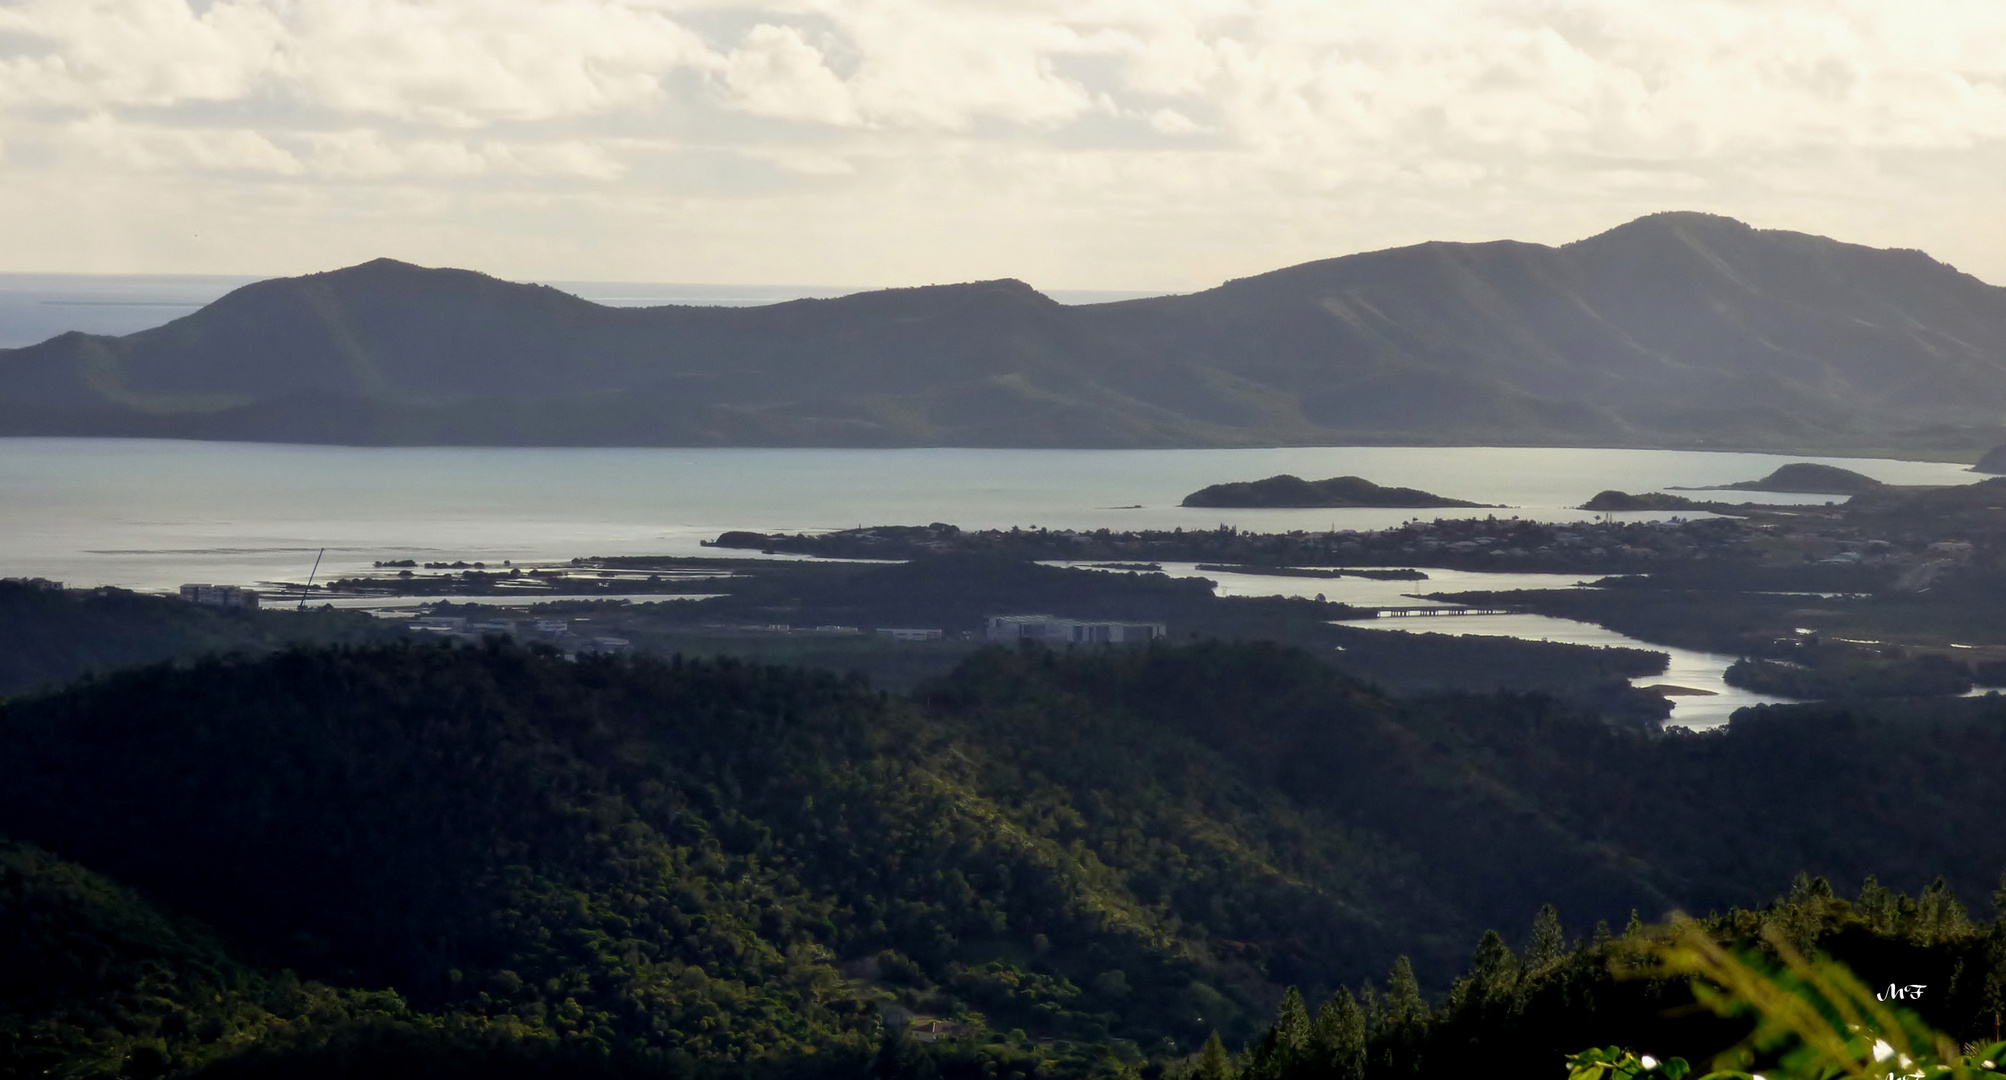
(1089, 144)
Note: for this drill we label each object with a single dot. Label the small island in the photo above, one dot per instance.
(1994, 462)
(1806, 478)
(1293, 492)
(1649, 500)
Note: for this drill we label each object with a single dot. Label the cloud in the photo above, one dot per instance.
(1197, 137)
(367, 154)
(777, 73)
(235, 150)
(458, 63)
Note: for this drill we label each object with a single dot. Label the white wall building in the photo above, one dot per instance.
(1054, 630)
(220, 595)
(906, 633)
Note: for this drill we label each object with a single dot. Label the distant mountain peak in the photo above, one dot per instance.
(1690, 223)
(381, 266)
(1675, 329)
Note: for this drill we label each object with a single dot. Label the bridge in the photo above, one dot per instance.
(1441, 612)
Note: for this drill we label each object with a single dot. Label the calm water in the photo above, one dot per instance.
(151, 514)
(1688, 668)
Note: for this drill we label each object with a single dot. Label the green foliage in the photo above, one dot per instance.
(1049, 863)
(49, 637)
(1777, 988)
(1615, 1063)
(1813, 1018)
(94, 981)
(1836, 673)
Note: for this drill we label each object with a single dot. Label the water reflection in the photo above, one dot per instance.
(151, 514)
(1688, 669)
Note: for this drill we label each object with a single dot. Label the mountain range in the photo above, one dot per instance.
(1677, 329)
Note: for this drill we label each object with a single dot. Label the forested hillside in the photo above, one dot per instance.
(49, 637)
(1073, 861)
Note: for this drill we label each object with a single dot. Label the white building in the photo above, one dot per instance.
(1047, 628)
(903, 633)
(220, 596)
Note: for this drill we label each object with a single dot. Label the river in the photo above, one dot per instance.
(1690, 669)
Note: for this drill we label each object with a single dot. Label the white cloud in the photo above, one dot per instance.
(447, 62)
(176, 149)
(1184, 139)
(777, 73)
(1172, 122)
(366, 154)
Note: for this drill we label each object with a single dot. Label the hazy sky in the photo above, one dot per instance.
(1113, 144)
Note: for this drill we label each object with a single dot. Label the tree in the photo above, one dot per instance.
(1877, 904)
(1404, 1003)
(1493, 969)
(1213, 1064)
(1549, 941)
(1939, 915)
(1340, 1036)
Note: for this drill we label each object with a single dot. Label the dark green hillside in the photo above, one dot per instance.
(749, 864)
(1677, 329)
(1524, 1009)
(96, 981)
(49, 637)
(677, 864)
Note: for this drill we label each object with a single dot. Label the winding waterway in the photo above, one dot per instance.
(1688, 669)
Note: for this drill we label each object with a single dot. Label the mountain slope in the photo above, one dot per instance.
(1676, 329)
(724, 864)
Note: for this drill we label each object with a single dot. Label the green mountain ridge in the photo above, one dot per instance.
(1673, 330)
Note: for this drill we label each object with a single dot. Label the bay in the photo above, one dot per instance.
(152, 514)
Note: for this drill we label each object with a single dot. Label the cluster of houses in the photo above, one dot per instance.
(41, 583)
